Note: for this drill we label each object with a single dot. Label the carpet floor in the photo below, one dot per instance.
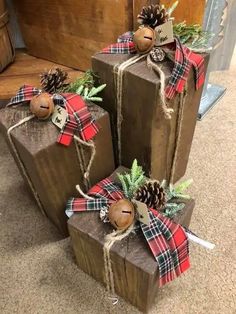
(38, 273)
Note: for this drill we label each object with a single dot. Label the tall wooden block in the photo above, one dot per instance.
(161, 146)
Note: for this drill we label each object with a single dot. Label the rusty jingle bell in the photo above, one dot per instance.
(121, 214)
(144, 39)
(42, 106)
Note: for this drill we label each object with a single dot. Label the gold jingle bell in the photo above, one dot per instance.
(121, 214)
(42, 106)
(144, 39)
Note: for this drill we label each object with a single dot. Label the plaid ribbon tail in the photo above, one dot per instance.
(120, 48)
(82, 205)
(104, 194)
(25, 93)
(184, 59)
(108, 189)
(124, 45)
(169, 245)
(79, 119)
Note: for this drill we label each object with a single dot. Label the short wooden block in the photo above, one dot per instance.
(135, 270)
(54, 168)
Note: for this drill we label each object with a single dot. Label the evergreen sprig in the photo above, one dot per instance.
(132, 181)
(178, 191)
(192, 35)
(87, 80)
(172, 209)
(84, 86)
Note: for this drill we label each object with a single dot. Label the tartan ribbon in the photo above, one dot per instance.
(184, 60)
(78, 119)
(167, 240)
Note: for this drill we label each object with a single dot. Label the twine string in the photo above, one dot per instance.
(20, 162)
(110, 239)
(119, 71)
(80, 153)
(154, 66)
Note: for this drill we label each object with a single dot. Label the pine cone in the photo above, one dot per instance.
(53, 80)
(152, 194)
(153, 15)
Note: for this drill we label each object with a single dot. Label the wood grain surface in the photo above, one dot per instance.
(53, 168)
(188, 10)
(134, 267)
(25, 70)
(6, 44)
(71, 32)
(145, 133)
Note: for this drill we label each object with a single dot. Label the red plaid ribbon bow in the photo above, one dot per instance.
(184, 59)
(78, 119)
(166, 239)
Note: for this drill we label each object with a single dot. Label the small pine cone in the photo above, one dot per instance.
(153, 15)
(152, 194)
(53, 80)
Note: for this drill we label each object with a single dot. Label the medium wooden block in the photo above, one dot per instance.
(53, 168)
(135, 270)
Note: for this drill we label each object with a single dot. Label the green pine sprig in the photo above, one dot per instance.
(90, 95)
(85, 87)
(87, 80)
(178, 191)
(132, 181)
(192, 35)
(174, 195)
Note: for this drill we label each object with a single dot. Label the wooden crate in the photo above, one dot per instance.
(6, 44)
(25, 70)
(135, 270)
(71, 32)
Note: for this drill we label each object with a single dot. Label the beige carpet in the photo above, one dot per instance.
(37, 268)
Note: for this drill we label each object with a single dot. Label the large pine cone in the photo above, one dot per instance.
(152, 194)
(153, 15)
(54, 80)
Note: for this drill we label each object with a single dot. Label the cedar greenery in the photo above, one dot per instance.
(192, 35)
(132, 181)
